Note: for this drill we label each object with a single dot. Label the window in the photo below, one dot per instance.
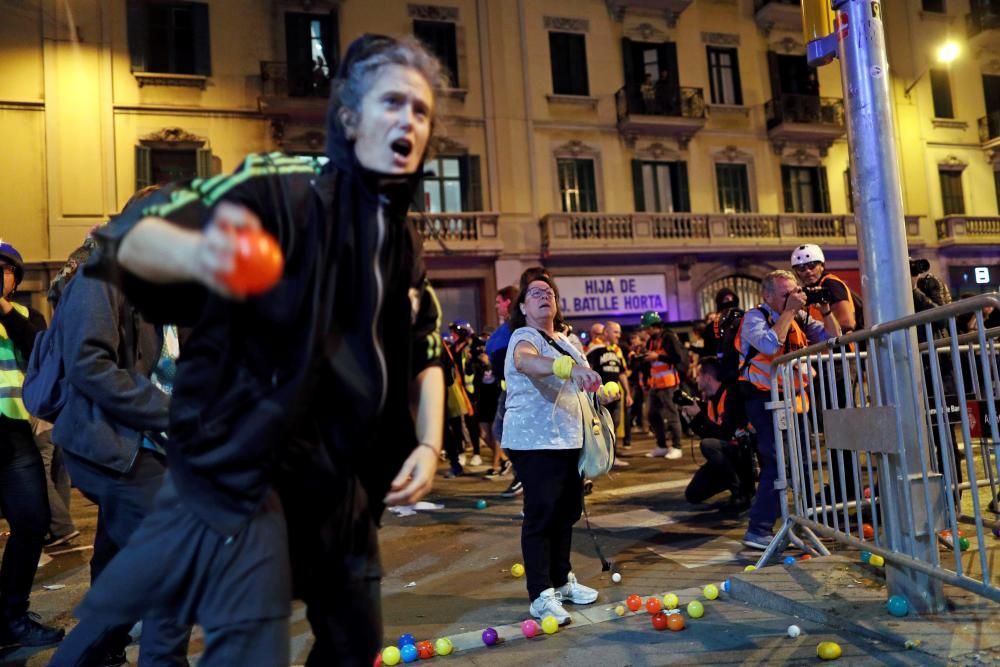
(451, 185)
(169, 37)
(936, 6)
(734, 188)
(941, 93)
(577, 185)
(439, 37)
(952, 199)
(161, 164)
(805, 189)
(568, 51)
(311, 49)
(724, 75)
(660, 186)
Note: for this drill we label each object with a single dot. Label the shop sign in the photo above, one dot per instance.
(597, 296)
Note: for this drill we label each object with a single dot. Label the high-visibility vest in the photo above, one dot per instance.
(758, 368)
(715, 413)
(12, 373)
(814, 310)
(661, 374)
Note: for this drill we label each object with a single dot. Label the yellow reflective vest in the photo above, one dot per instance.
(12, 373)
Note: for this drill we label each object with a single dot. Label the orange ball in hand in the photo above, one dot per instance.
(257, 262)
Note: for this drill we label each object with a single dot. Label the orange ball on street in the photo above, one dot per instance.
(675, 622)
(653, 605)
(633, 602)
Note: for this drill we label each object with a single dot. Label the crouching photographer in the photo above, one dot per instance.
(720, 421)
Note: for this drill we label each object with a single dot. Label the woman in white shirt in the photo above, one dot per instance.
(543, 435)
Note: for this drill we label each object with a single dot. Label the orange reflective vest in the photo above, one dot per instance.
(715, 413)
(661, 374)
(757, 370)
(814, 310)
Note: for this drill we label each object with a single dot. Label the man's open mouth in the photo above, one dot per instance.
(402, 147)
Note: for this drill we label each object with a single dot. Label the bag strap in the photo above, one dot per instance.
(553, 343)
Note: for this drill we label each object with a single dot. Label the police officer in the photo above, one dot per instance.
(668, 361)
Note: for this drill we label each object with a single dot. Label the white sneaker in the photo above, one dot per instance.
(620, 463)
(575, 592)
(657, 453)
(674, 453)
(476, 460)
(549, 603)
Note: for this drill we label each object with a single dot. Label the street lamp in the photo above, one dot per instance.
(945, 55)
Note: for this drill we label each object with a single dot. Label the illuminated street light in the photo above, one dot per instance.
(945, 55)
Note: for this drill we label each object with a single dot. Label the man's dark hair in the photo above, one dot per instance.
(711, 368)
(508, 293)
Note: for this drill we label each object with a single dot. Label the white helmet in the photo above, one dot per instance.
(807, 253)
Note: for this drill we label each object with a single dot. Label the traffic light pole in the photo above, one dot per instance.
(858, 40)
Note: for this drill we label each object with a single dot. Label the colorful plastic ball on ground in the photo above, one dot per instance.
(711, 591)
(806, 557)
(408, 653)
(390, 656)
(794, 631)
(828, 650)
(633, 602)
(867, 531)
(876, 560)
(529, 628)
(378, 660)
(671, 601)
(789, 560)
(675, 622)
(425, 650)
(620, 610)
(653, 605)
(866, 556)
(443, 646)
(898, 605)
(726, 586)
(550, 625)
(480, 504)
(517, 570)
(750, 568)
(490, 636)
(696, 609)
(659, 621)
(405, 639)
(963, 543)
(616, 577)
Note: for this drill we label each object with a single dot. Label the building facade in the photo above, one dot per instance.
(646, 151)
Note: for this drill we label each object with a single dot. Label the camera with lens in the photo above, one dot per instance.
(683, 399)
(918, 266)
(817, 294)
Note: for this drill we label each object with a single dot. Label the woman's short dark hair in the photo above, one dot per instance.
(530, 275)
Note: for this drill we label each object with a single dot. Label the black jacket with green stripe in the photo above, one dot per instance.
(324, 358)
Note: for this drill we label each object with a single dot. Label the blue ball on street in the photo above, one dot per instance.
(408, 653)
(405, 639)
(898, 605)
(725, 586)
(866, 556)
(789, 560)
(480, 504)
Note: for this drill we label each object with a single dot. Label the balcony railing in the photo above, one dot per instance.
(984, 16)
(989, 127)
(683, 103)
(968, 229)
(805, 109)
(280, 79)
(643, 231)
(459, 231)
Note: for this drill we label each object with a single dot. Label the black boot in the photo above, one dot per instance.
(26, 629)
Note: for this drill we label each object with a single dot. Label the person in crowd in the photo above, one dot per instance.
(62, 529)
(543, 437)
(496, 350)
(462, 335)
(487, 392)
(637, 367)
(725, 301)
(777, 326)
(458, 407)
(353, 317)
(721, 423)
(666, 361)
(648, 92)
(595, 337)
(608, 360)
(23, 496)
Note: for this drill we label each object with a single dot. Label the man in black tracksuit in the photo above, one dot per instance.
(306, 389)
(721, 425)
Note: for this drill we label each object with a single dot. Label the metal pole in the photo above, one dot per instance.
(859, 35)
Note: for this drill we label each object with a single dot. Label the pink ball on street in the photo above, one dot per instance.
(529, 628)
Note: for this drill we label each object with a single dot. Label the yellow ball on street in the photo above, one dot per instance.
(550, 625)
(390, 656)
(443, 646)
(828, 650)
(750, 568)
(711, 591)
(695, 609)
(876, 560)
(620, 610)
(671, 601)
(517, 570)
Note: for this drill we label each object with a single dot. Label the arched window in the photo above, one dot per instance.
(746, 287)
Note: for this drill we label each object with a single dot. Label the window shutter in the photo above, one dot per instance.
(202, 45)
(737, 86)
(143, 167)
(786, 184)
(330, 31)
(203, 162)
(137, 20)
(774, 67)
(637, 187)
(578, 65)
(713, 74)
(472, 189)
(824, 190)
(679, 187)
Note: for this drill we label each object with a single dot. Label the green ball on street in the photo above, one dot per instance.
(711, 591)
(480, 504)
(390, 656)
(443, 646)
(963, 543)
(695, 609)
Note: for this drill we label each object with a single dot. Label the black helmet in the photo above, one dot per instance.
(726, 298)
(10, 255)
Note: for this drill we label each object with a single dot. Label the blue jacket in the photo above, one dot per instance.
(109, 354)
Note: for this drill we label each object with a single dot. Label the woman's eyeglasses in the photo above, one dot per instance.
(541, 293)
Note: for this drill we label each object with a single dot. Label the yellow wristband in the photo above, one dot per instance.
(562, 367)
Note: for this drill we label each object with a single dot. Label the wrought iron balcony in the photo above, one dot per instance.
(473, 233)
(781, 14)
(677, 114)
(989, 129)
(290, 95)
(965, 229)
(804, 119)
(595, 233)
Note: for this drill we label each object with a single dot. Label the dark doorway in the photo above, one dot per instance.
(652, 83)
(991, 91)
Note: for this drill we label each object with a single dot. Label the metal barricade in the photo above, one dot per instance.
(842, 450)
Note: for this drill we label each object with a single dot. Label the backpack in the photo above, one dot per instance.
(45, 388)
(728, 353)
